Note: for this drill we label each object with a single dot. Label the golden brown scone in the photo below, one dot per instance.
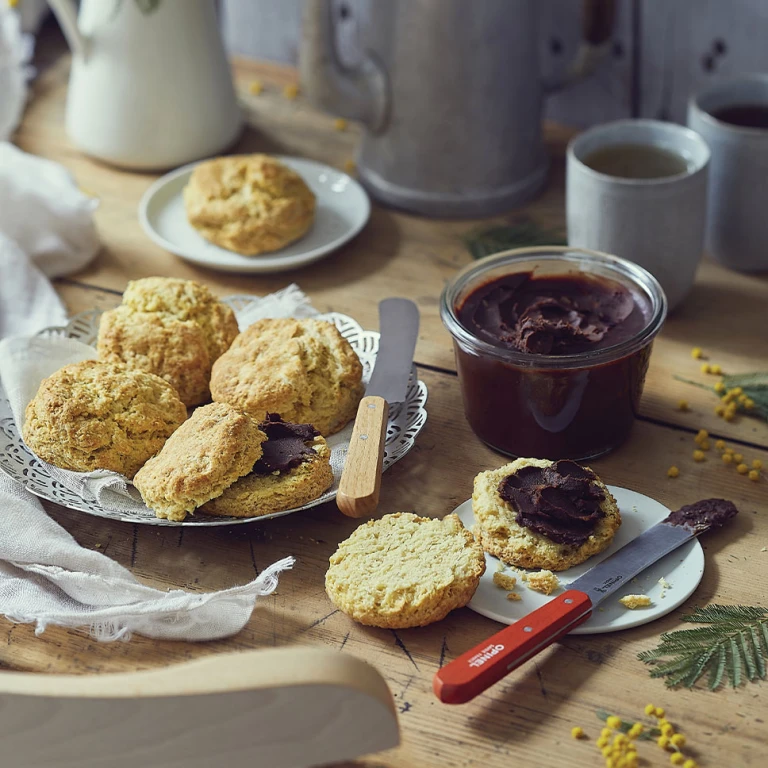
(404, 570)
(249, 204)
(500, 535)
(93, 415)
(302, 369)
(255, 495)
(173, 328)
(213, 448)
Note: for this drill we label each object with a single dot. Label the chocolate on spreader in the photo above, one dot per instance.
(285, 446)
(703, 515)
(561, 501)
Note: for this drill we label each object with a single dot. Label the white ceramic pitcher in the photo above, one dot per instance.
(150, 86)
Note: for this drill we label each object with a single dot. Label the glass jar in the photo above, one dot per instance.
(574, 406)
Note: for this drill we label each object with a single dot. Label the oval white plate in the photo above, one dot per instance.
(342, 211)
(682, 569)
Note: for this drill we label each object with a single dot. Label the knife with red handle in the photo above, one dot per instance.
(485, 664)
(479, 668)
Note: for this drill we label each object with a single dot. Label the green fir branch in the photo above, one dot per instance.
(518, 233)
(732, 645)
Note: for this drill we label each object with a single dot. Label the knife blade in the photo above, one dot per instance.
(485, 664)
(360, 483)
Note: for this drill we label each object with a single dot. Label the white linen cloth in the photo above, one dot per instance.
(46, 577)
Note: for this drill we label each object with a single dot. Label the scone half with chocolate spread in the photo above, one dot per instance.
(293, 470)
(536, 513)
(216, 446)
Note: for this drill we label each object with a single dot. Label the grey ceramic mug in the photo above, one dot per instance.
(737, 227)
(658, 223)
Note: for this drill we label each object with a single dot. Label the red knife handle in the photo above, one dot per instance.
(478, 669)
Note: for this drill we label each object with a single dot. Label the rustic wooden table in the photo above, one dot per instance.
(527, 718)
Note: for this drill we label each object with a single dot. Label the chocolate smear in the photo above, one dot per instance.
(704, 515)
(561, 502)
(285, 446)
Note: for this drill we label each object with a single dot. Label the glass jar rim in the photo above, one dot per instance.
(639, 276)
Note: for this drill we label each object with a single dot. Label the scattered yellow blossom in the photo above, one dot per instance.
(742, 469)
(727, 458)
(753, 475)
(577, 733)
(677, 758)
(719, 387)
(738, 457)
(720, 445)
(705, 368)
(339, 124)
(757, 464)
(256, 87)
(698, 456)
(673, 472)
(696, 353)
(291, 91)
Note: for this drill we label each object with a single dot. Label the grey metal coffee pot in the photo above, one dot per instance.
(450, 94)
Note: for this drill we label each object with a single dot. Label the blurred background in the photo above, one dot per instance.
(661, 50)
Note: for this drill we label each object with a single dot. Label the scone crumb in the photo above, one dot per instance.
(514, 596)
(504, 581)
(665, 585)
(500, 566)
(635, 601)
(544, 581)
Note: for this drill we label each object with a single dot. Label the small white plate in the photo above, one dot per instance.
(681, 569)
(342, 211)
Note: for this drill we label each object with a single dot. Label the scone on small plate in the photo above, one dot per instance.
(173, 328)
(404, 570)
(536, 513)
(93, 415)
(249, 204)
(305, 370)
(224, 463)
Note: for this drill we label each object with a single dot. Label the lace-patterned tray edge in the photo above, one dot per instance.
(406, 420)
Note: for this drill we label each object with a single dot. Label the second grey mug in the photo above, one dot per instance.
(658, 223)
(737, 225)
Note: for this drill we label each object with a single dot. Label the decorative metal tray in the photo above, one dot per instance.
(405, 422)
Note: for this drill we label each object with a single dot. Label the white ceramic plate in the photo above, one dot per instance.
(681, 569)
(343, 209)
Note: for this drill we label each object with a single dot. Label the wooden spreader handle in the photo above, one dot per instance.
(358, 494)
(478, 669)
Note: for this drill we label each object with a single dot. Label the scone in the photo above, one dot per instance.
(302, 369)
(93, 415)
(293, 470)
(404, 570)
(249, 204)
(173, 328)
(536, 513)
(213, 448)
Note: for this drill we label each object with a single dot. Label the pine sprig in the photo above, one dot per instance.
(521, 231)
(732, 646)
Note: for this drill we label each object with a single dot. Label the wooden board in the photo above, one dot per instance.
(527, 718)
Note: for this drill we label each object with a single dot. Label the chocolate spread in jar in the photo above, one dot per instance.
(704, 515)
(536, 407)
(285, 446)
(561, 502)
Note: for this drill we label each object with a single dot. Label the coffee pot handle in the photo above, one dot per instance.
(596, 29)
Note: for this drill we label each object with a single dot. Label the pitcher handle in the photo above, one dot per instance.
(597, 23)
(65, 12)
